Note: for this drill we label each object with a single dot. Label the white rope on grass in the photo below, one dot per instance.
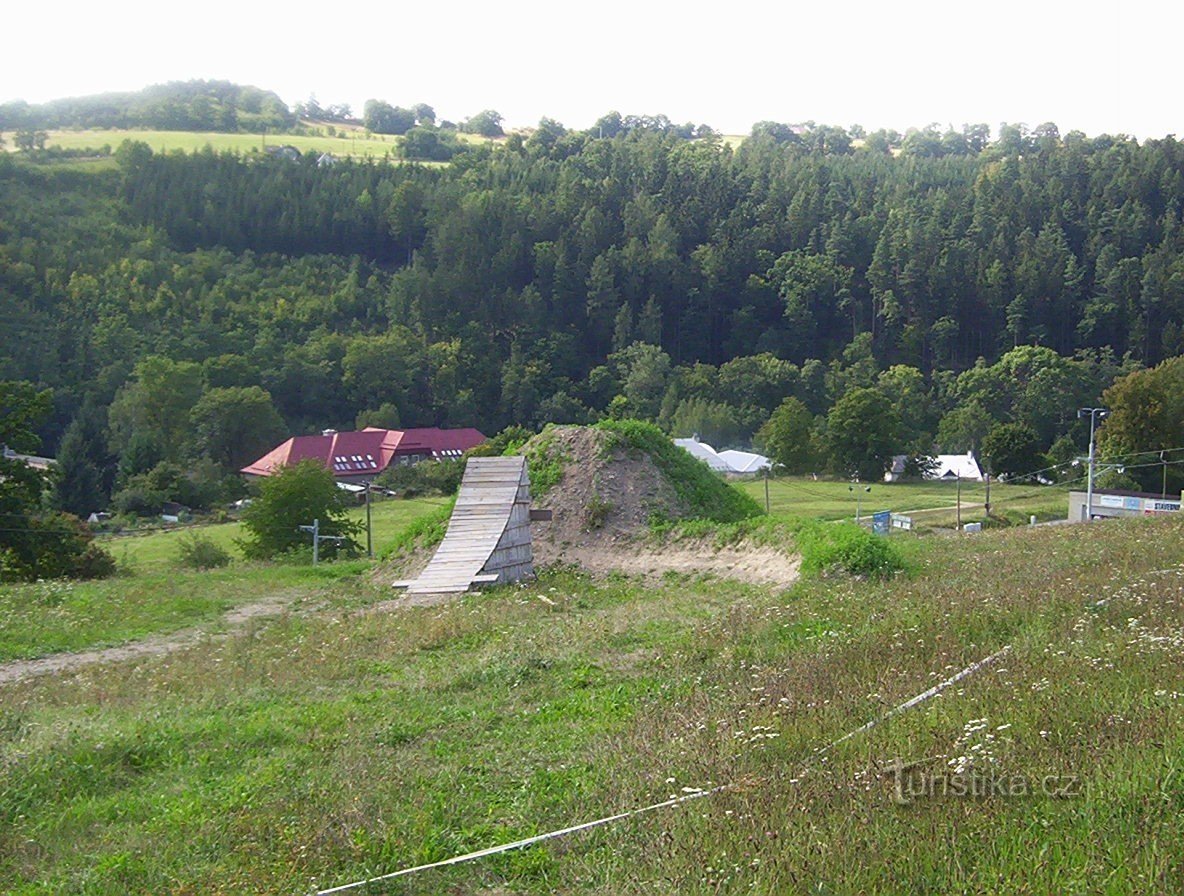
(673, 801)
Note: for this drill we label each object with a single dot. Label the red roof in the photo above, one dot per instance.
(367, 452)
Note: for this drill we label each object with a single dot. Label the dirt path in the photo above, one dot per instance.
(234, 620)
(747, 563)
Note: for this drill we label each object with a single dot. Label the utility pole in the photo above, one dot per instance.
(1095, 414)
(767, 488)
(369, 538)
(958, 479)
(987, 503)
(1163, 460)
(858, 498)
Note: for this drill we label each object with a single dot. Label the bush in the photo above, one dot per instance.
(200, 552)
(440, 477)
(54, 546)
(847, 547)
(289, 499)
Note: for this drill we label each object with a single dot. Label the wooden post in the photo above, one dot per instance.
(958, 479)
(369, 538)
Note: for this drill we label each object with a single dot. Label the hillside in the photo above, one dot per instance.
(565, 278)
(340, 739)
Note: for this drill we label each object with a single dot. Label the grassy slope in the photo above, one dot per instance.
(705, 494)
(323, 748)
(349, 142)
(159, 597)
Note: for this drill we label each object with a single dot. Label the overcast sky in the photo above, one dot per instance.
(1099, 68)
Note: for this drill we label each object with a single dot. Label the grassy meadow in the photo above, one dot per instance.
(343, 739)
(156, 595)
(351, 142)
(348, 144)
(931, 504)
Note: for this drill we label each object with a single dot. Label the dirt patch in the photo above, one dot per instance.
(757, 564)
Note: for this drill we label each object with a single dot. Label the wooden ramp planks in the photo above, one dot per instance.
(486, 523)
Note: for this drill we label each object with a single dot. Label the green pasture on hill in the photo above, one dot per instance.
(349, 142)
(345, 739)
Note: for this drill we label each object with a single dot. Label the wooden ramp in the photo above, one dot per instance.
(488, 537)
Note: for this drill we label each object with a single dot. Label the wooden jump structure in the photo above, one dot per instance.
(488, 537)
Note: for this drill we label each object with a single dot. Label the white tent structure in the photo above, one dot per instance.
(745, 461)
(704, 452)
(729, 462)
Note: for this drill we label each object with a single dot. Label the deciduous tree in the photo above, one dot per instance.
(292, 497)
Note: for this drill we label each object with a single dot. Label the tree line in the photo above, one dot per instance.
(176, 106)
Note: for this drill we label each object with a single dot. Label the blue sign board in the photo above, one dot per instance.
(881, 522)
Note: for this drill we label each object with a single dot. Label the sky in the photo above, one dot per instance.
(1099, 68)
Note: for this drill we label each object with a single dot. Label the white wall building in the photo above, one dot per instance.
(1110, 503)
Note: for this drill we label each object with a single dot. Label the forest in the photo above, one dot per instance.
(811, 285)
(176, 106)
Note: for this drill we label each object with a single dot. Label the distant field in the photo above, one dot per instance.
(800, 497)
(155, 595)
(351, 144)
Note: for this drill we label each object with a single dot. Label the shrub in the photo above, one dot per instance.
(441, 477)
(200, 552)
(546, 464)
(289, 499)
(847, 547)
(54, 546)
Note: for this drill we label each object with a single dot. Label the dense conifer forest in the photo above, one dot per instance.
(623, 271)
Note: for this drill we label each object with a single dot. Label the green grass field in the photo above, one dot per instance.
(156, 595)
(339, 741)
(350, 142)
(158, 550)
(931, 504)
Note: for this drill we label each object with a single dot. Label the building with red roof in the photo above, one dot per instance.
(360, 456)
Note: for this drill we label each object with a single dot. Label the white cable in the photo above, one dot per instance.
(673, 801)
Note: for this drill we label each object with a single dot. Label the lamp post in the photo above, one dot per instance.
(1095, 414)
(858, 497)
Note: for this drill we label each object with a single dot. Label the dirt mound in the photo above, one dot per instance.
(594, 487)
(603, 491)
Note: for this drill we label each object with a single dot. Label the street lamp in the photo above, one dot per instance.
(858, 497)
(1095, 414)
